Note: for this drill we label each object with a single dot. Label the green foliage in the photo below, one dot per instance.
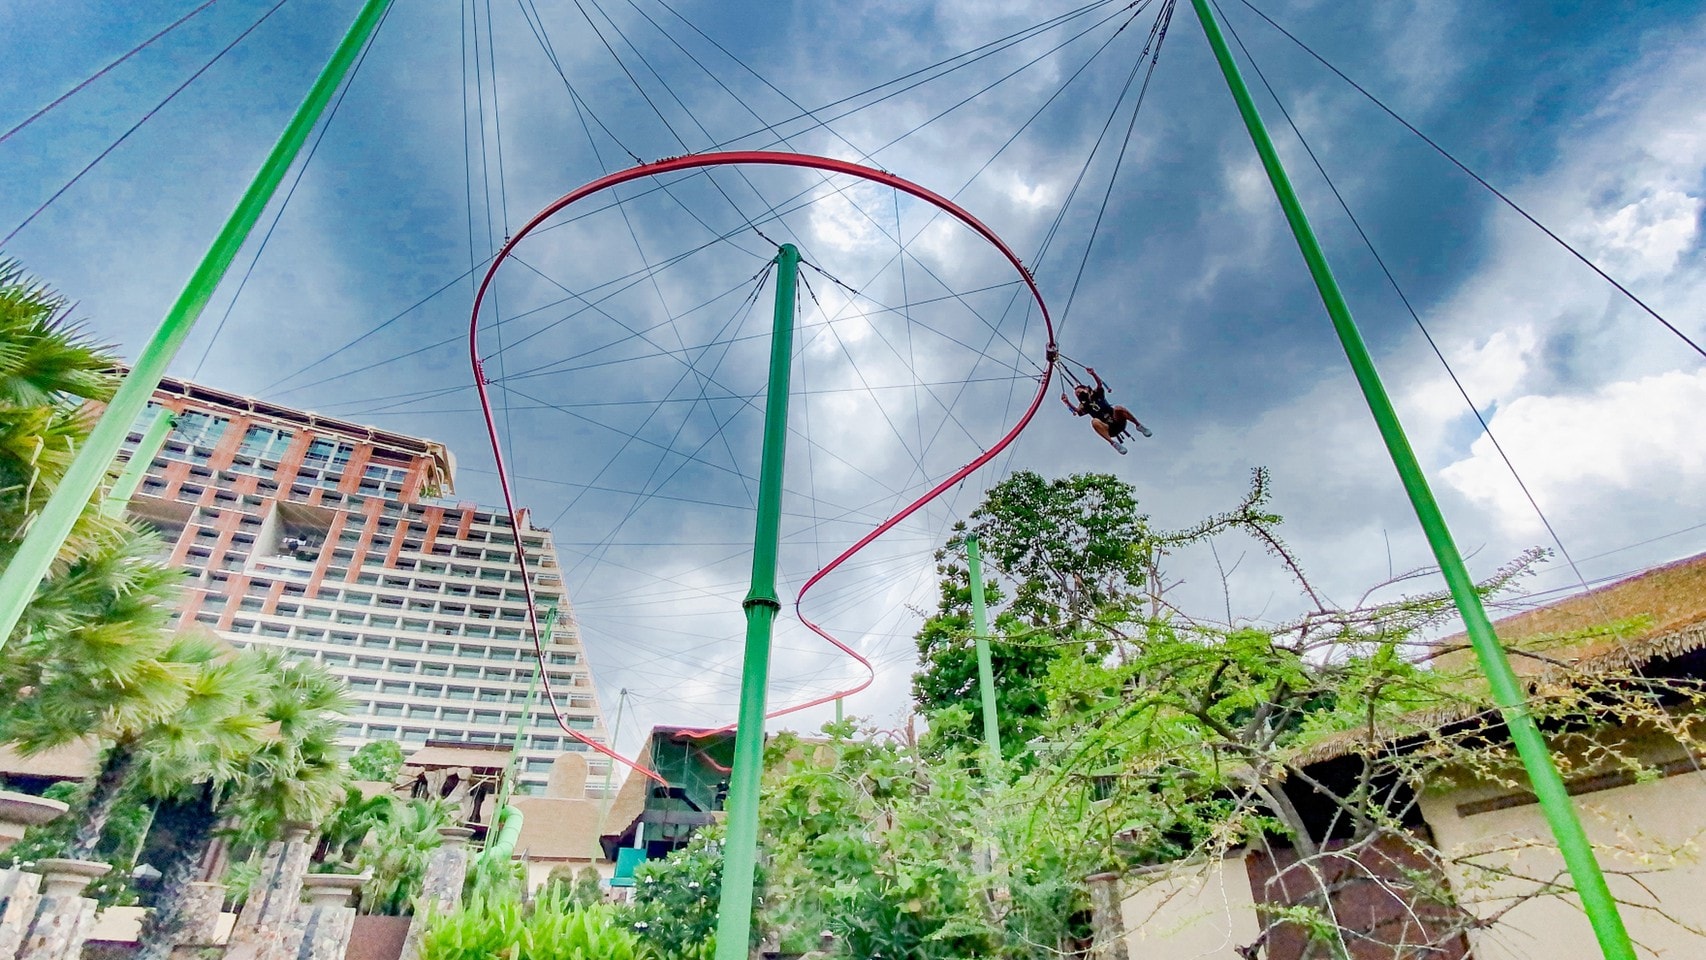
(583, 887)
(561, 930)
(552, 928)
(675, 899)
(398, 853)
(1065, 560)
(493, 877)
(378, 761)
(484, 928)
(874, 843)
(347, 828)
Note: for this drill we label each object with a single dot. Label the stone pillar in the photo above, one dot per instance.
(1107, 926)
(441, 891)
(20, 811)
(201, 912)
(327, 920)
(63, 916)
(270, 921)
(19, 893)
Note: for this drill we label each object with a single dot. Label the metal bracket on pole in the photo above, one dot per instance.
(1597, 900)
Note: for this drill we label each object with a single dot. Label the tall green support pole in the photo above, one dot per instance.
(1597, 901)
(35, 554)
(118, 496)
(985, 665)
(546, 628)
(740, 849)
(610, 769)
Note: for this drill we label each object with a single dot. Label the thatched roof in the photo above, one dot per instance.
(474, 757)
(1669, 601)
(1560, 643)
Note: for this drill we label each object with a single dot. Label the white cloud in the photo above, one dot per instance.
(1590, 454)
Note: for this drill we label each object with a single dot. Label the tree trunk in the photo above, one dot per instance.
(192, 822)
(103, 799)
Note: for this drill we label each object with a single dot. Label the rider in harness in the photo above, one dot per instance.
(1108, 420)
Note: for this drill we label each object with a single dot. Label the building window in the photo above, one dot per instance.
(265, 443)
(199, 429)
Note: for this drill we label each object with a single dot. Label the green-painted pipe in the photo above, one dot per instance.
(985, 664)
(35, 554)
(740, 848)
(118, 496)
(509, 830)
(1597, 901)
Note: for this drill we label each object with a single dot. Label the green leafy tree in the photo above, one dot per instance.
(258, 745)
(349, 826)
(879, 846)
(1066, 564)
(398, 853)
(90, 658)
(378, 761)
(676, 899)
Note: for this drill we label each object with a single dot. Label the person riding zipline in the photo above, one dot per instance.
(1108, 420)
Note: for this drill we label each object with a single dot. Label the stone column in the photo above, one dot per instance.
(19, 893)
(270, 921)
(63, 916)
(201, 912)
(20, 811)
(1107, 926)
(327, 920)
(441, 891)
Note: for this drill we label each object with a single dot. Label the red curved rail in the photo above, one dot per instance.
(762, 158)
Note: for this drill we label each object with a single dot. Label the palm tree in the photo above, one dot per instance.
(102, 679)
(49, 371)
(397, 859)
(266, 754)
(344, 832)
(90, 656)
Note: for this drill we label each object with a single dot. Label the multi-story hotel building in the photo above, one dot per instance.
(331, 541)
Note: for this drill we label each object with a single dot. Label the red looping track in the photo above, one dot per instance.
(760, 158)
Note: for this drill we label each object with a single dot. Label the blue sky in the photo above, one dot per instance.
(1193, 301)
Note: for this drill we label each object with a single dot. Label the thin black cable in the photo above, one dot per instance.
(1483, 182)
(1408, 306)
(98, 74)
(742, 309)
(301, 171)
(584, 404)
(145, 118)
(536, 23)
(720, 431)
(1163, 21)
(982, 52)
(547, 47)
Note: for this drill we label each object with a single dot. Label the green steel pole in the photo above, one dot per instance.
(740, 847)
(48, 532)
(118, 496)
(545, 630)
(610, 769)
(1597, 900)
(985, 665)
